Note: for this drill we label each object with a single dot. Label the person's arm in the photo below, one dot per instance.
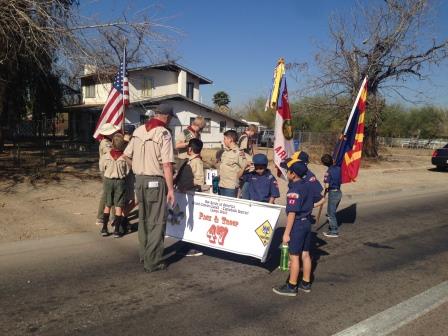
(242, 163)
(289, 223)
(182, 142)
(168, 174)
(321, 202)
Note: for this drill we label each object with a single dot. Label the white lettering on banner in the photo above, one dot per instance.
(224, 223)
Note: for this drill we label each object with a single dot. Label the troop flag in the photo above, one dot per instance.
(118, 99)
(348, 151)
(278, 101)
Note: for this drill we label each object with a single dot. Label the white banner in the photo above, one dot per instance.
(224, 223)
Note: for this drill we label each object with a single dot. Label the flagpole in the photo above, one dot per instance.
(124, 74)
(355, 105)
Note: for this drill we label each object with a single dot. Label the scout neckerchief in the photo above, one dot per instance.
(153, 123)
(115, 153)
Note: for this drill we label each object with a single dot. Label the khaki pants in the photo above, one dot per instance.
(152, 213)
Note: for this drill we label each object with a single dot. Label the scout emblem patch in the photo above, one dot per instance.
(264, 232)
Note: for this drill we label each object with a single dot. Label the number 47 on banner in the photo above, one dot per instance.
(217, 233)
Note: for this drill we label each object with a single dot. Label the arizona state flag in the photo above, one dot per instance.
(348, 151)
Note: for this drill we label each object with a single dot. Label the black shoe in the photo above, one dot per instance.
(305, 287)
(104, 232)
(285, 290)
(160, 267)
(117, 227)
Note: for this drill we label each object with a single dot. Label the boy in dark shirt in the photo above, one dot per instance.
(299, 205)
(332, 182)
(261, 184)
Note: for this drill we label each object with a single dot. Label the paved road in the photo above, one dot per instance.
(389, 251)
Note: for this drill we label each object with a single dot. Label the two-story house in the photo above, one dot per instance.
(169, 83)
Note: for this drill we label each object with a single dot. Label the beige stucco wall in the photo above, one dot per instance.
(165, 83)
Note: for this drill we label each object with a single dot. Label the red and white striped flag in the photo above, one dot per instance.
(118, 99)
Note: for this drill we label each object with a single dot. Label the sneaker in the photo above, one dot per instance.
(193, 253)
(285, 290)
(305, 288)
(104, 232)
(330, 234)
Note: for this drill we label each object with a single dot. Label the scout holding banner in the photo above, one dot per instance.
(224, 223)
(278, 101)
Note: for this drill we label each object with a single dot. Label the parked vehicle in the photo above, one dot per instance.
(440, 158)
(266, 138)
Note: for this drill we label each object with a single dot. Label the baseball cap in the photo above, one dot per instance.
(296, 166)
(108, 129)
(301, 156)
(165, 109)
(260, 159)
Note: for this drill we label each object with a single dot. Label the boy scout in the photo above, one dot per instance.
(191, 175)
(261, 184)
(299, 205)
(191, 132)
(233, 163)
(245, 140)
(332, 182)
(107, 131)
(152, 154)
(114, 187)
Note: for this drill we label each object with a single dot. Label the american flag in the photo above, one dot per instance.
(113, 110)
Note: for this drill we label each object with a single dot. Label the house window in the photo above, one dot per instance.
(90, 91)
(148, 87)
(190, 87)
(207, 128)
(222, 126)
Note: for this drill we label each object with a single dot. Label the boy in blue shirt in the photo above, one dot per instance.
(299, 205)
(261, 184)
(332, 182)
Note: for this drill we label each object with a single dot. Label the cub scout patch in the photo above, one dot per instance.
(292, 198)
(264, 232)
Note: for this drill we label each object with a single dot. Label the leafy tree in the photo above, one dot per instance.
(221, 98)
(254, 110)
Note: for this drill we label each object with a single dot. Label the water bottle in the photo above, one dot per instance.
(215, 184)
(284, 258)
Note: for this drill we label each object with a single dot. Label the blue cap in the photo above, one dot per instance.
(299, 168)
(260, 160)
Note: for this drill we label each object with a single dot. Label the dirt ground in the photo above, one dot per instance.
(60, 201)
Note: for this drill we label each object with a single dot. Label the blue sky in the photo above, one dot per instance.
(237, 43)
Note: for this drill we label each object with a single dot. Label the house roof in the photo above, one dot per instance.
(182, 97)
(158, 100)
(168, 66)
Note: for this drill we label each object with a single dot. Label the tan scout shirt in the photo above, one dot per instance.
(150, 150)
(192, 174)
(105, 147)
(185, 136)
(116, 169)
(233, 161)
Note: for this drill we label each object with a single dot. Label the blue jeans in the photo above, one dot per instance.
(228, 192)
(334, 197)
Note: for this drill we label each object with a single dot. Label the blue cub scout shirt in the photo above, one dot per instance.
(299, 199)
(261, 187)
(315, 186)
(333, 177)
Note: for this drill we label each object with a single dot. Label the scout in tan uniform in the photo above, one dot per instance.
(191, 132)
(191, 176)
(152, 154)
(114, 187)
(233, 163)
(107, 130)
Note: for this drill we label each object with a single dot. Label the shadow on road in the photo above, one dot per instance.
(437, 170)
